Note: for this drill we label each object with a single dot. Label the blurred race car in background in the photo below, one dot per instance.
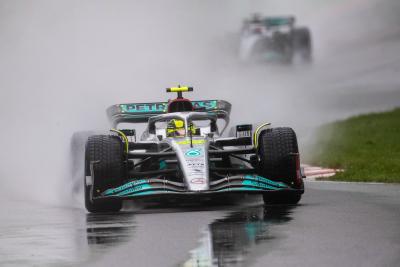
(182, 154)
(276, 39)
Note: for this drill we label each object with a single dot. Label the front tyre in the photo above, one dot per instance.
(107, 154)
(277, 152)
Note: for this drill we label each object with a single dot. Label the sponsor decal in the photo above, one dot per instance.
(194, 164)
(135, 189)
(265, 180)
(207, 105)
(198, 181)
(124, 187)
(143, 108)
(193, 153)
(196, 172)
(258, 181)
(257, 184)
(195, 142)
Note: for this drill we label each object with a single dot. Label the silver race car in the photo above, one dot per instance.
(182, 155)
(274, 39)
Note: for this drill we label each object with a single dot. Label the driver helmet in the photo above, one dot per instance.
(175, 128)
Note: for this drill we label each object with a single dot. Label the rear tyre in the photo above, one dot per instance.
(302, 43)
(287, 53)
(107, 151)
(287, 50)
(277, 163)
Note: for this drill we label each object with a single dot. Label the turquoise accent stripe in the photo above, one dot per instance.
(267, 181)
(135, 190)
(124, 187)
(258, 184)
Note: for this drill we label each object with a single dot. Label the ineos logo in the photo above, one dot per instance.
(198, 181)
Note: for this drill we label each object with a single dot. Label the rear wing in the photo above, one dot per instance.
(279, 21)
(142, 112)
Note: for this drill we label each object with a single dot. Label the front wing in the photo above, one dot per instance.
(158, 187)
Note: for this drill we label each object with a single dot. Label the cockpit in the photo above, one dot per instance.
(183, 125)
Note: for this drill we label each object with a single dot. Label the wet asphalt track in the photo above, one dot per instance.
(337, 224)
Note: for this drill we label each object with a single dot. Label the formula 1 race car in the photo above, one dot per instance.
(274, 38)
(181, 154)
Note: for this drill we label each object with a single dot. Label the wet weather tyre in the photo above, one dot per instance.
(108, 154)
(287, 51)
(276, 147)
(302, 43)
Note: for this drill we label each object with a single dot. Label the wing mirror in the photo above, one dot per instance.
(244, 130)
(129, 133)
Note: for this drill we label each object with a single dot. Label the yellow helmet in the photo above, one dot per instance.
(175, 128)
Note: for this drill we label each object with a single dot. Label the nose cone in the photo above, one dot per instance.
(193, 161)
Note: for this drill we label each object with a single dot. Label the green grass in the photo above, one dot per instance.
(367, 147)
